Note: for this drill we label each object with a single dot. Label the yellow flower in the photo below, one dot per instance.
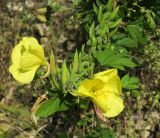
(105, 91)
(27, 56)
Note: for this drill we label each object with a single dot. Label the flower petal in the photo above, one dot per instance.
(16, 55)
(111, 79)
(83, 90)
(29, 60)
(105, 76)
(110, 104)
(23, 76)
(115, 105)
(32, 45)
(113, 85)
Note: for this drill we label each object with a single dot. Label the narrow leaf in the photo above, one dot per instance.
(75, 62)
(52, 64)
(114, 13)
(114, 24)
(109, 5)
(64, 73)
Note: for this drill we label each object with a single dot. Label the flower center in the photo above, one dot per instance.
(23, 50)
(94, 89)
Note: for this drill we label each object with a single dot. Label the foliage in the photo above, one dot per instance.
(113, 59)
(129, 82)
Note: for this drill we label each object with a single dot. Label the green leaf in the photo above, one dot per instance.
(92, 30)
(100, 14)
(151, 23)
(48, 107)
(99, 3)
(52, 64)
(113, 59)
(109, 5)
(118, 36)
(104, 31)
(65, 73)
(114, 24)
(95, 8)
(127, 42)
(129, 82)
(63, 106)
(114, 13)
(75, 62)
(136, 33)
(113, 32)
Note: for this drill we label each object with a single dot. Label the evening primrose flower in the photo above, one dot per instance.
(27, 56)
(105, 91)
